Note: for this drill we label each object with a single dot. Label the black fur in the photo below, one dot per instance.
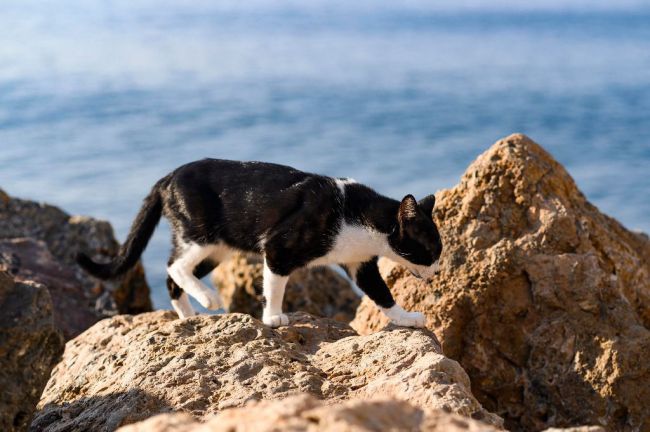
(297, 213)
(370, 281)
(141, 231)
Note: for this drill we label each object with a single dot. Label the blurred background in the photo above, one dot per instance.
(99, 99)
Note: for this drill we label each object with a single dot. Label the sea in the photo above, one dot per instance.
(99, 99)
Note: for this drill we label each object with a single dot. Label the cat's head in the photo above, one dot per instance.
(416, 240)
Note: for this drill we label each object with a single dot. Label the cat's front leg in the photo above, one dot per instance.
(273, 291)
(367, 277)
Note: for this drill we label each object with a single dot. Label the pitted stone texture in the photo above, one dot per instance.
(305, 413)
(128, 368)
(542, 299)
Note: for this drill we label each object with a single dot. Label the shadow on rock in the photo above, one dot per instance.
(101, 413)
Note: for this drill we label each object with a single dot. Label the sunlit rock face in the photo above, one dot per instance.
(543, 300)
(128, 368)
(306, 413)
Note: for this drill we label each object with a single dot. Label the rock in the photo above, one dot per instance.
(30, 346)
(30, 260)
(40, 242)
(128, 368)
(166, 423)
(318, 291)
(543, 300)
(577, 429)
(305, 413)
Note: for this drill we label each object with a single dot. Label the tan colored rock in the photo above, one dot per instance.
(577, 429)
(40, 242)
(305, 413)
(129, 368)
(319, 291)
(400, 362)
(543, 300)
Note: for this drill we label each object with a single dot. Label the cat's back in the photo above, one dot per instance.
(261, 179)
(247, 199)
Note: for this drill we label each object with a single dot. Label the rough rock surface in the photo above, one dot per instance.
(305, 413)
(543, 300)
(319, 291)
(40, 242)
(30, 260)
(30, 346)
(577, 429)
(128, 368)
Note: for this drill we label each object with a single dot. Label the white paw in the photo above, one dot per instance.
(275, 321)
(183, 310)
(210, 299)
(184, 315)
(410, 319)
(183, 307)
(400, 317)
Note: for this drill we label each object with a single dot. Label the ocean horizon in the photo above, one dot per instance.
(98, 101)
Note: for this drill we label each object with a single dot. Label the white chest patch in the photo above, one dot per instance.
(354, 244)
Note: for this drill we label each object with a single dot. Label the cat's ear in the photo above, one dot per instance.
(408, 209)
(427, 203)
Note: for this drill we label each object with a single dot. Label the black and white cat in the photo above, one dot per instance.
(294, 219)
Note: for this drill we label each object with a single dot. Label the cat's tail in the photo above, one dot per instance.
(141, 231)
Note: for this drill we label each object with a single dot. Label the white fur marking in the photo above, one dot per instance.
(358, 244)
(353, 268)
(183, 307)
(424, 272)
(340, 183)
(182, 272)
(354, 244)
(403, 318)
(262, 241)
(273, 291)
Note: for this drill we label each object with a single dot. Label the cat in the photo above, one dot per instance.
(292, 218)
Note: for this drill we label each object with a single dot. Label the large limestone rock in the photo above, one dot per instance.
(305, 413)
(40, 242)
(319, 291)
(30, 346)
(543, 300)
(129, 368)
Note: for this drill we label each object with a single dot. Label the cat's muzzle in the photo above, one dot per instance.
(428, 274)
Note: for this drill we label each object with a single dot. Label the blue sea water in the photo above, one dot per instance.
(100, 99)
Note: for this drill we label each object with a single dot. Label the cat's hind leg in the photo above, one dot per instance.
(273, 291)
(180, 300)
(181, 269)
